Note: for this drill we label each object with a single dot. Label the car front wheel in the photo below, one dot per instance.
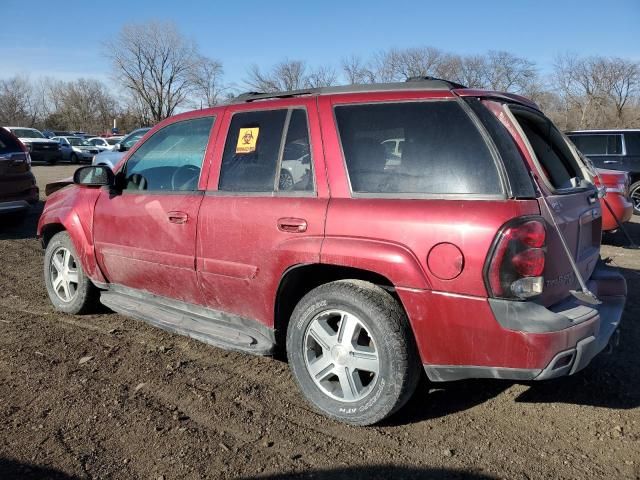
(69, 289)
(352, 353)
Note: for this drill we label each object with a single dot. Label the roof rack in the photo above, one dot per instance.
(413, 83)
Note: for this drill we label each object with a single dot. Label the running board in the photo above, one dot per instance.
(219, 329)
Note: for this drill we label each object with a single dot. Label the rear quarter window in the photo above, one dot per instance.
(442, 151)
(8, 144)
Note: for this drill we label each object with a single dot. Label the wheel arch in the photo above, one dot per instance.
(299, 280)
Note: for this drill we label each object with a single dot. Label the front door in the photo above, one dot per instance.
(265, 207)
(145, 236)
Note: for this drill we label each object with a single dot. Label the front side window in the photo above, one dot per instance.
(430, 147)
(171, 159)
(267, 151)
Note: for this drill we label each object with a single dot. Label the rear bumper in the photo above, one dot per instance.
(46, 155)
(622, 208)
(462, 337)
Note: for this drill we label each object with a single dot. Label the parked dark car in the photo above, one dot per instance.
(40, 148)
(477, 255)
(18, 189)
(613, 150)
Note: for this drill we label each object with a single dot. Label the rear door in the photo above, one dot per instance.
(265, 206)
(573, 201)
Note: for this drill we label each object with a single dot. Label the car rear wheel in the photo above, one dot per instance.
(69, 289)
(634, 194)
(352, 353)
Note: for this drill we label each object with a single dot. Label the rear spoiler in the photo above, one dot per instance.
(489, 94)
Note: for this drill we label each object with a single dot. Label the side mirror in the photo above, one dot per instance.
(121, 147)
(94, 176)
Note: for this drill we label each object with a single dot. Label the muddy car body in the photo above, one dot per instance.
(460, 261)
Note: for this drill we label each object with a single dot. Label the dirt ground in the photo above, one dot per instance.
(103, 396)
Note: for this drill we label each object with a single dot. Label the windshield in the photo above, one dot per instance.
(78, 142)
(27, 133)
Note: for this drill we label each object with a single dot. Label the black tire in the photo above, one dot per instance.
(86, 295)
(74, 158)
(386, 323)
(634, 195)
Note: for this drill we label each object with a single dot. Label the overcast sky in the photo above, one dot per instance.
(64, 39)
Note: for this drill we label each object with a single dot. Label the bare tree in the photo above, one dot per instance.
(356, 71)
(84, 104)
(207, 81)
(508, 73)
(17, 102)
(155, 62)
(621, 82)
(321, 77)
(286, 75)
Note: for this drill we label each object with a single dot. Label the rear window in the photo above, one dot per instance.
(8, 144)
(440, 150)
(551, 150)
(598, 144)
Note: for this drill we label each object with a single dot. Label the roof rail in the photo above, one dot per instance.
(413, 83)
(427, 78)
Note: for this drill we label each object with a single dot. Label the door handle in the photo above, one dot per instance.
(292, 225)
(611, 161)
(178, 217)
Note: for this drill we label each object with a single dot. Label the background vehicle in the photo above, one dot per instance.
(55, 133)
(18, 189)
(477, 256)
(613, 150)
(112, 157)
(76, 149)
(616, 185)
(103, 144)
(39, 147)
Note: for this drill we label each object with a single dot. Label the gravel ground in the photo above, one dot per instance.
(103, 396)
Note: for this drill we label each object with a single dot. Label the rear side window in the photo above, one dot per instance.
(440, 150)
(551, 150)
(267, 151)
(598, 144)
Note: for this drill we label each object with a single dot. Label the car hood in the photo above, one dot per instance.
(35, 140)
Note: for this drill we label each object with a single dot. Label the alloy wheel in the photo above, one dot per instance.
(341, 355)
(64, 275)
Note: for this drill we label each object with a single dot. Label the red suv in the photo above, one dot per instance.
(282, 220)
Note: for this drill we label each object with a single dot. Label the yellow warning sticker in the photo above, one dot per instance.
(247, 140)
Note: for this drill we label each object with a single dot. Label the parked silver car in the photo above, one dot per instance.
(103, 144)
(111, 158)
(76, 149)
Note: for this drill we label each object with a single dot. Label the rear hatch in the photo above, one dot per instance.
(572, 199)
(15, 169)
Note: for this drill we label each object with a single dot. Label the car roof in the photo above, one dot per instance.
(412, 84)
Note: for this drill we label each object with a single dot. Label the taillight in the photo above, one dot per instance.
(515, 267)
